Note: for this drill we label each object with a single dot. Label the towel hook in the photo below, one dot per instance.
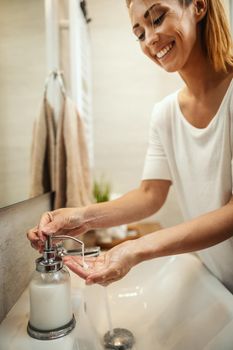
(55, 74)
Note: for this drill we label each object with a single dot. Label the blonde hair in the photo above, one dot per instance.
(217, 40)
(217, 36)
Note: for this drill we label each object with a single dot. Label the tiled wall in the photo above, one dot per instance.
(16, 255)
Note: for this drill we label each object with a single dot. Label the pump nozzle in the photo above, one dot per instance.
(51, 260)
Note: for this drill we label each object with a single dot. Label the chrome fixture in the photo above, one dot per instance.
(119, 339)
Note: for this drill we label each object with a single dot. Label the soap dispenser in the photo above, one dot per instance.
(51, 314)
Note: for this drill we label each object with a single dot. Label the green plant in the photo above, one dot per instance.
(101, 191)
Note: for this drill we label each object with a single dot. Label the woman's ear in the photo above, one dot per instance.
(200, 7)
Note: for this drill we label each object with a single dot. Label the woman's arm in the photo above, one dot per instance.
(193, 235)
(133, 206)
(199, 233)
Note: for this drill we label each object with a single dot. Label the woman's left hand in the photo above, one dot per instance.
(108, 267)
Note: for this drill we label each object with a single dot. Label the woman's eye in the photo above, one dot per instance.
(141, 37)
(158, 20)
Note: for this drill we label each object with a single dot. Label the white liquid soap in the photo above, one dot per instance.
(50, 300)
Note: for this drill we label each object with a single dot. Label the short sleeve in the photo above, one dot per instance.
(156, 163)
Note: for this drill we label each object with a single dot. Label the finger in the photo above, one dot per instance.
(107, 283)
(77, 269)
(103, 282)
(105, 275)
(55, 226)
(38, 245)
(87, 265)
(95, 263)
(45, 220)
(76, 266)
(34, 245)
(52, 228)
(100, 277)
(75, 232)
(32, 234)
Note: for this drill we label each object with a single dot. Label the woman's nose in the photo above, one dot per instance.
(152, 37)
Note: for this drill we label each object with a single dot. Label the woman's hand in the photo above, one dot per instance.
(68, 221)
(108, 267)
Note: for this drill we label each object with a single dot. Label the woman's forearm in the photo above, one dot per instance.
(200, 233)
(128, 208)
(133, 206)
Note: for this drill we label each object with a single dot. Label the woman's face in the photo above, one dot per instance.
(166, 30)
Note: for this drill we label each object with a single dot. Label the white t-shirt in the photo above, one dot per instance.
(199, 164)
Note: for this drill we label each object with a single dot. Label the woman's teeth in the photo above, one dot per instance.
(164, 51)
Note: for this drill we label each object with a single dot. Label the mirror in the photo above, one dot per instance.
(23, 69)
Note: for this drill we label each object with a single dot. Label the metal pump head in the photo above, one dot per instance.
(51, 261)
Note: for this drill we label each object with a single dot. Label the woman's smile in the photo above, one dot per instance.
(164, 51)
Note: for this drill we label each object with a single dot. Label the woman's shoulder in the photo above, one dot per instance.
(167, 102)
(165, 109)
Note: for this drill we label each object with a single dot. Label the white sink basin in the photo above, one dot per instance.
(170, 303)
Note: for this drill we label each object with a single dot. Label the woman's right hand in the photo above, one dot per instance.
(66, 221)
(108, 267)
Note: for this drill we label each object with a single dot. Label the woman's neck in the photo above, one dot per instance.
(199, 74)
(202, 78)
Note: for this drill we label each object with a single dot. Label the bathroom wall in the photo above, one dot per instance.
(16, 255)
(125, 87)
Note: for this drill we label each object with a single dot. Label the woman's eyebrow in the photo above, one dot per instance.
(146, 14)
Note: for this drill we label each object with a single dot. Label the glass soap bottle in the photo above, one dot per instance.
(51, 314)
(50, 297)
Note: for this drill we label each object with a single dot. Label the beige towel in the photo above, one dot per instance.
(43, 152)
(73, 175)
(60, 159)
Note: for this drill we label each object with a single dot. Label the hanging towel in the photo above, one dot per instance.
(73, 175)
(59, 157)
(43, 152)
(60, 164)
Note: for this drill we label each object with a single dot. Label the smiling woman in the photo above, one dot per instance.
(189, 147)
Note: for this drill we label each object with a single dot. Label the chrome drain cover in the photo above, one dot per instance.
(119, 339)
